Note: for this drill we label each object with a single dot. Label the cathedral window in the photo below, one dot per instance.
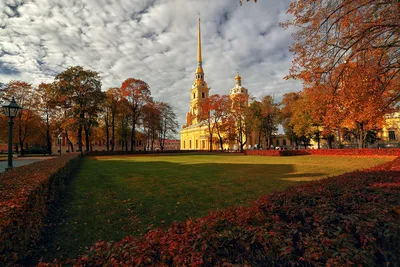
(392, 135)
(202, 95)
(184, 144)
(194, 95)
(197, 144)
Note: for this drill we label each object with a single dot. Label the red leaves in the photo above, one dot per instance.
(25, 193)
(327, 152)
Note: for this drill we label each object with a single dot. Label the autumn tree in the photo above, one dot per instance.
(287, 110)
(238, 127)
(24, 95)
(137, 93)
(267, 118)
(363, 101)
(215, 112)
(82, 89)
(151, 123)
(330, 33)
(168, 123)
(123, 117)
(113, 98)
(46, 103)
(222, 112)
(206, 117)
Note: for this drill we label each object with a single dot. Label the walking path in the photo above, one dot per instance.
(22, 161)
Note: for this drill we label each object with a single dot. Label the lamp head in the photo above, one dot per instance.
(11, 109)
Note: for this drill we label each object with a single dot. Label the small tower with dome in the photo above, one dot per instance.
(239, 92)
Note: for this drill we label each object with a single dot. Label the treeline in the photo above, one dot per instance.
(231, 119)
(74, 106)
(347, 56)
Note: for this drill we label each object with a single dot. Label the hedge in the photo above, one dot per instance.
(25, 193)
(348, 220)
(327, 152)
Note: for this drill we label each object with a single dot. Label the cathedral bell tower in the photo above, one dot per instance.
(199, 91)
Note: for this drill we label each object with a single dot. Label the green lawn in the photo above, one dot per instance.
(112, 197)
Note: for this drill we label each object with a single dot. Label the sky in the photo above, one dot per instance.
(151, 40)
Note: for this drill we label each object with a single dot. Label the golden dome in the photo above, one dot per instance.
(237, 75)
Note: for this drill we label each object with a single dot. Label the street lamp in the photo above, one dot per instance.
(59, 141)
(11, 110)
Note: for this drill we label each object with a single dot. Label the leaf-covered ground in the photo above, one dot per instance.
(112, 197)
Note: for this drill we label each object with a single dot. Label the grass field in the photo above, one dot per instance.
(112, 197)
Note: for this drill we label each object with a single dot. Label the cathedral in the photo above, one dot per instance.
(194, 135)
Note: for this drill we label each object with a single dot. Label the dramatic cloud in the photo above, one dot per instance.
(153, 40)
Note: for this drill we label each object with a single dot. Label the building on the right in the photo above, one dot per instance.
(390, 133)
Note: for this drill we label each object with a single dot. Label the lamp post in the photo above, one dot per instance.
(59, 141)
(11, 110)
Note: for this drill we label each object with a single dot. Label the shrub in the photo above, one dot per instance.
(327, 152)
(25, 193)
(349, 220)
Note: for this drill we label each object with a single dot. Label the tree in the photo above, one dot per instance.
(123, 118)
(363, 100)
(113, 98)
(287, 109)
(24, 95)
(151, 120)
(214, 115)
(46, 105)
(238, 127)
(347, 56)
(82, 89)
(137, 93)
(168, 124)
(206, 117)
(330, 33)
(269, 118)
(222, 111)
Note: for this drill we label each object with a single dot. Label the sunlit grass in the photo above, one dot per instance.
(112, 197)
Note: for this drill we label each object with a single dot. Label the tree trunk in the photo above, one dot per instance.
(107, 131)
(330, 141)
(81, 118)
(87, 144)
(48, 137)
(361, 135)
(69, 141)
(133, 137)
(113, 132)
(210, 143)
(21, 143)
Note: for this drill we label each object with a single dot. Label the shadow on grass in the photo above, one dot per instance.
(110, 199)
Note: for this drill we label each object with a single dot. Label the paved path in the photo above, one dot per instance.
(21, 161)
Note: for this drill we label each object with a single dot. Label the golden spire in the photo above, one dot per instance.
(199, 70)
(199, 63)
